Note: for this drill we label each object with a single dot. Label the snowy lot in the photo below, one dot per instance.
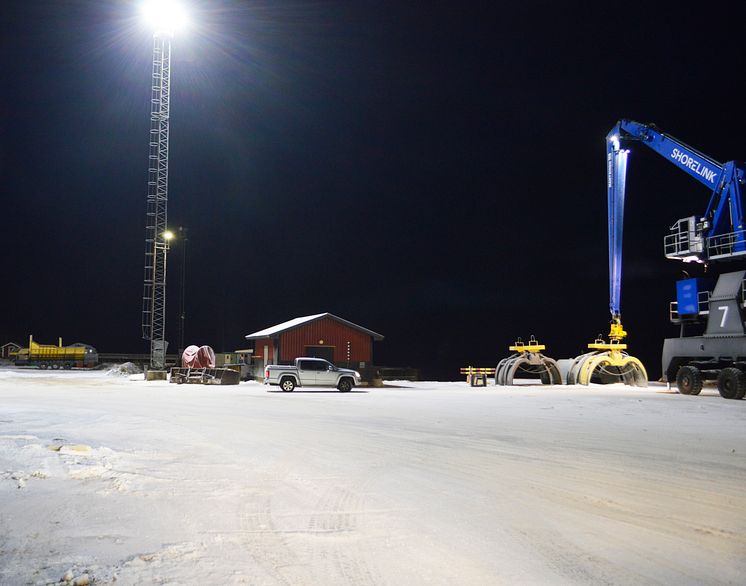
(435, 483)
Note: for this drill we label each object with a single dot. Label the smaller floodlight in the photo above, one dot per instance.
(168, 235)
(615, 141)
(164, 16)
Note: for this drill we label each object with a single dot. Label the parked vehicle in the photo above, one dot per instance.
(311, 372)
(48, 356)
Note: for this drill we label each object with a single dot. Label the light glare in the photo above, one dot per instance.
(164, 15)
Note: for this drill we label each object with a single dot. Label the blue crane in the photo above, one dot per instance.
(718, 352)
(717, 235)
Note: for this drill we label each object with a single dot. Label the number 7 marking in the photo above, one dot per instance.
(724, 309)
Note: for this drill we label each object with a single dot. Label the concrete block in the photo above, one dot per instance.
(156, 375)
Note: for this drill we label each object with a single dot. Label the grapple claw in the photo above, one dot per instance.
(608, 363)
(527, 361)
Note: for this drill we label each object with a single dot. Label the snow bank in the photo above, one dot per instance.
(126, 369)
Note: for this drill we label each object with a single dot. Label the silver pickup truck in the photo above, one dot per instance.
(311, 372)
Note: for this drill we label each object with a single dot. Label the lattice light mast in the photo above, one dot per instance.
(165, 16)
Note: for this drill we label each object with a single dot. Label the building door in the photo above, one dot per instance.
(325, 352)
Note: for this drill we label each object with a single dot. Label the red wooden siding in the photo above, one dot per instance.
(293, 343)
(259, 349)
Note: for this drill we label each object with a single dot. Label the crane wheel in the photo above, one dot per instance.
(732, 383)
(689, 380)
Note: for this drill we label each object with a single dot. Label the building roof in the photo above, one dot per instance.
(299, 321)
(10, 344)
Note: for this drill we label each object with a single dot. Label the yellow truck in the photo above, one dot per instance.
(55, 357)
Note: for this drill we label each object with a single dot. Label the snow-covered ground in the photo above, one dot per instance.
(133, 482)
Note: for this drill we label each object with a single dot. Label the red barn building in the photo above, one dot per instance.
(322, 336)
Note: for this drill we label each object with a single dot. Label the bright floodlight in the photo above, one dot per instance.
(168, 235)
(164, 15)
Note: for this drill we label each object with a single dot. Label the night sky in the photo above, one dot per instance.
(433, 171)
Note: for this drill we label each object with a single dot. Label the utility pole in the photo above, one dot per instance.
(183, 239)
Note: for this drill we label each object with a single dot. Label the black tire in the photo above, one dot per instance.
(732, 383)
(345, 385)
(287, 384)
(43, 366)
(689, 380)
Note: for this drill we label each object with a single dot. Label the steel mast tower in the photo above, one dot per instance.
(156, 234)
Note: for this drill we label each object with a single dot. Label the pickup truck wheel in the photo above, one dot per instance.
(344, 385)
(287, 384)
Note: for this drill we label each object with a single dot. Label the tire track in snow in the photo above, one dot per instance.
(267, 545)
(334, 526)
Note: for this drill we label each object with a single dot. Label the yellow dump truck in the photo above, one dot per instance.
(49, 356)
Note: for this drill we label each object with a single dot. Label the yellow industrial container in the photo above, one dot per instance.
(59, 356)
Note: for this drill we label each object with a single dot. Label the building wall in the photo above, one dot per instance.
(327, 332)
(259, 350)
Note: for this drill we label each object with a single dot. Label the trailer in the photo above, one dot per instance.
(198, 368)
(48, 356)
(205, 376)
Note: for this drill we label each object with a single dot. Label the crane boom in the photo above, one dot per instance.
(718, 234)
(616, 177)
(703, 168)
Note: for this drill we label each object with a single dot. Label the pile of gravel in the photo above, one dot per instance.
(125, 369)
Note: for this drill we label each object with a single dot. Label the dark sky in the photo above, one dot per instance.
(434, 171)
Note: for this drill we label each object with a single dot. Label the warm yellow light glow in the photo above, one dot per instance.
(168, 235)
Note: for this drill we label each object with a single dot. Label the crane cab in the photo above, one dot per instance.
(686, 241)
